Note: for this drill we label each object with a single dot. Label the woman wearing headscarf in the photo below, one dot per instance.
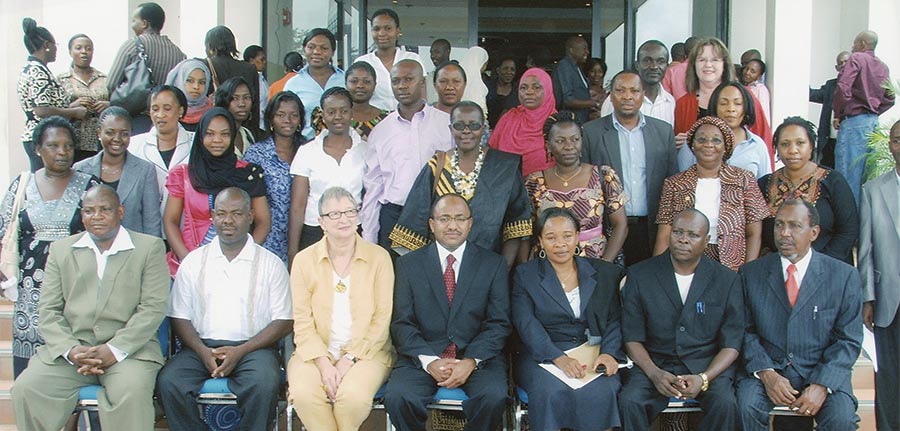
(192, 77)
(520, 130)
(212, 167)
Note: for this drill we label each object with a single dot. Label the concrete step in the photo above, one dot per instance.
(6, 360)
(7, 417)
(863, 376)
(6, 316)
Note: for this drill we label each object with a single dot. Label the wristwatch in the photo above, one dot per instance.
(705, 384)
(351, 357)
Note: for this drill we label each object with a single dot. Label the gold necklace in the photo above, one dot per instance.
(340, 287)
(566, 180)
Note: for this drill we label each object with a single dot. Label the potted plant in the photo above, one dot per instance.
(879, 159)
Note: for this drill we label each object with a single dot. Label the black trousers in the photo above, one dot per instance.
(638, 244)
(310, 235)
(887, 381)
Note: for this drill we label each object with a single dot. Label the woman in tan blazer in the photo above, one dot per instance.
(342, 289)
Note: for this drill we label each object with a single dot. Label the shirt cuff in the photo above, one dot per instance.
(427, 360)
(66, 356)
(118, 353)
(756, 373)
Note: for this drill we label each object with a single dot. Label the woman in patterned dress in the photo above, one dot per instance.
(284, 117)
(802, 178)
(51, 211)
(88, 86)
(40, 94)
(592, 193)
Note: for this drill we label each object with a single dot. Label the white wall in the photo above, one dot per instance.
(668, 21)
(788, 42)
(883, 18)
(748, 28)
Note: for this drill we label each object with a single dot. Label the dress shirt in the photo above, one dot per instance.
(675, 79)
(425, 360)
(397, 151)
(752, 155)
(802, 265)
(634, 166)
(574, 298)
(324, 171)
(341, 318)
(572, 86)
(310, 92)
(162, 56)
(121, 242)
(383, 98)
(859, 86)
(222, 301)
(684, 285)
(708, 197)
(663, 108)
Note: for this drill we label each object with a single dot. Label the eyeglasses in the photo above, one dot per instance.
(702, 140)
(460, 126)
(335, 215)
(448, 219)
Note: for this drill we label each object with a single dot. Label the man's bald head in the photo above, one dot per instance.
(408, 63)
(103, 191)
(234, 193)
(865, 41)
(408, 82)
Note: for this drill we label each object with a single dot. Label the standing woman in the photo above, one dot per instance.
(342, 288)
(727, 196)
(450, 82)
(335, 158)
(731, 102)
(88, 86)
(234, 95)
(360, 82)
(802, 178)
(192, 77)
(40, 94)
(593, 193)
(284, 117)
(595, 70)
(212, 167)
(133, 179)
(317, 76)
(499, 89)
(50, 211)
(520, 130)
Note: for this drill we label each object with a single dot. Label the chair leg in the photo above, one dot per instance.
(289, 416)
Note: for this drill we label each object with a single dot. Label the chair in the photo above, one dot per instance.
(448, 400)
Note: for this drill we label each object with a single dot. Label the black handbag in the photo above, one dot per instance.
(132, 93)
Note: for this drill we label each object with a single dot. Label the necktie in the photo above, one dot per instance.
(450, 285)
(793, 288)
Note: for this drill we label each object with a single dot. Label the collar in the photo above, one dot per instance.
(305, 70)
(184, 137)
(641, 122)
(662, 96)
(896, 176)
(247, 253)
(422, 112)
(457, 254)
(802, 264)
(121, 242)
(95, 75)
(320, 250)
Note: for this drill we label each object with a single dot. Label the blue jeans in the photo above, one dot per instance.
(851, 146)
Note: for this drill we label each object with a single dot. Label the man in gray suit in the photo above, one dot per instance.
(879, 245)
(804, 328)
(641, 149)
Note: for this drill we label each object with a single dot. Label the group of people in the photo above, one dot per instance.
(403, 242)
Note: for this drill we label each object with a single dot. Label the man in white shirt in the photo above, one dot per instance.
(650, 65)
(104, 296)
(231, 303)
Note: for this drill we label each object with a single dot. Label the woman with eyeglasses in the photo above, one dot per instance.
(335, 158)
(489, 179)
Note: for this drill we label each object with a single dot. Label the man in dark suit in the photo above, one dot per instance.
(686, 321)
(449, 330)
(879, 245)
(825, 95)
(641, 149)
(803, 328)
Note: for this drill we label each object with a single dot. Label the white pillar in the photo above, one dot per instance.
(883, 18)
(788, 45)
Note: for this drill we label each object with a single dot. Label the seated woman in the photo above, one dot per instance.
(727, 196)
(560, 302)
(192, 187)
(342, 289)
(234, 95)
(489, 179)
(593, 193)
(133, 179)
(802, 178)
(193, 78)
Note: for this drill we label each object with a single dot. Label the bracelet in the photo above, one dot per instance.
(705, 385)
(352, 358)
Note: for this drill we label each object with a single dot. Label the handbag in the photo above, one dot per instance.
(9, 254)
(132, 93)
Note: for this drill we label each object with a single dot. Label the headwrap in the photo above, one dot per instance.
(472, 63)
(178, 77)
(520, 130)
(723, 127)
(211, 174)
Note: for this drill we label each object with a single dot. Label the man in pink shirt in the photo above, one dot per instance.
(674, 80)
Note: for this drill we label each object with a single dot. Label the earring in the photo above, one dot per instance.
(578, 250)
(47, 49)
(542, 254)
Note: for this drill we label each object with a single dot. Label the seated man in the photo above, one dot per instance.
(104, 296)
(231, 303)
(804, 328)
(449, 330)
(686, 315)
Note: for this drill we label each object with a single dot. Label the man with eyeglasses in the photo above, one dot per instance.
(650, 64)
(230, 305)
(450, 323)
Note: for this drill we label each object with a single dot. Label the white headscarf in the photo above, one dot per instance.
(472, 63)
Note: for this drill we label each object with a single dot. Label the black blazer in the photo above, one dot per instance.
(424, 323)
(825, 96)
(820, 336)
(544, 320)
(711, 319)
(601, 147)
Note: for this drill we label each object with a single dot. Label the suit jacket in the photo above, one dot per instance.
(137, 191)
(124, 309)
(711, 318)
(477, 321)
(879, 245)
(820, 336)
(601, 147)
(312, 291)
(825, 96)
(544, 320)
